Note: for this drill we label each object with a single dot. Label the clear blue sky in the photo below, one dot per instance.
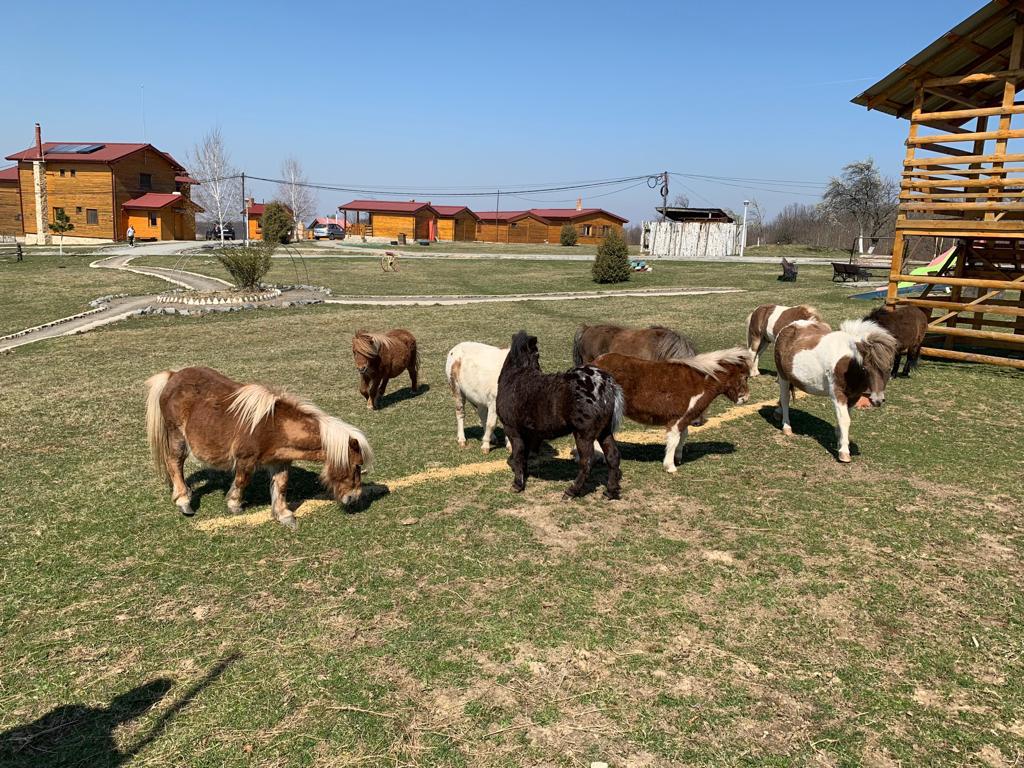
(467, 94)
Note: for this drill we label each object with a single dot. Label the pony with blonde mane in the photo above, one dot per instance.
(241, 427)
(380, 357)
(674, 393)
(843, 365)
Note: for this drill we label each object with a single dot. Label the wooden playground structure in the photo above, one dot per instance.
(962, 179)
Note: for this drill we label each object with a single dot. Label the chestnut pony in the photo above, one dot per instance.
(380, 357)
(655, 342)
(674, 393)
(908, 325)
(242, 427)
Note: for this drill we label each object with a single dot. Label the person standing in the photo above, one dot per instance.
(131, 236)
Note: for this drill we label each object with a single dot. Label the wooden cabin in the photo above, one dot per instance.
(592, 224)
(456, 222)
(10, 203)
(157, 216)
(254, 215)
(962, 178)
(512, 227)
(99, 186)
(389, 219)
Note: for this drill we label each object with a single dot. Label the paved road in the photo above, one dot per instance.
(122, 255)
(430, 301)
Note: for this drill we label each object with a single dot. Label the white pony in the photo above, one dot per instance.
(472, 370)
(844, 365)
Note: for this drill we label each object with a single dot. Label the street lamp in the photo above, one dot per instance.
(743, 235)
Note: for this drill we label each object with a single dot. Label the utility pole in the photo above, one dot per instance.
(743, 235)
(245, 213)
(664, 194)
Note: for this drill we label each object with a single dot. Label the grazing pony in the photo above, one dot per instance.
(766, 322)
(673, 393)
(534, 406)
(383, 356)
(472, 370)
(653, 343)
(242, 427)
(844, 365)
(908, 325)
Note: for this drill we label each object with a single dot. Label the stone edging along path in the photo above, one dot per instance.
(114, 308)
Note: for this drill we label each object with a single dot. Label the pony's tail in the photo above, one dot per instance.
(577, 346)
(449, 365)
(156, 429)
(618, 407)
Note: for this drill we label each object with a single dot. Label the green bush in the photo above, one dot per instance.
(568, 234)
(276, 223)
(611, 265)
(247, 264)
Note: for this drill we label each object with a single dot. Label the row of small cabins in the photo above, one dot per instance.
(106, 188)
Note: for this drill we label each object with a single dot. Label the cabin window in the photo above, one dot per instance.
(146, 180)
(78, 209)
(606, 230)
(92, 216)
(74, 173)
(514, 225)
(586, 230)
(57, 213)
(152, 219)
(62, 172)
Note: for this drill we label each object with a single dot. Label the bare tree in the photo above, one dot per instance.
(294, 192)
(863, 194)
(220, 188)
(680, 201)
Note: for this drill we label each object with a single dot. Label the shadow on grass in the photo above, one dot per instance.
(405, 393)
(806, 424)
(302, 485)
(692, 451)
(78, 734)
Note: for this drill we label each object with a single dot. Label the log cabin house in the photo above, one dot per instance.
(254, 216)
(456, 222)
(102, 188)
(390, 219)
(10, 203)
(544, 225)
(512, 227)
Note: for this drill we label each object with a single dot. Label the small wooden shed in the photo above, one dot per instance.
(512, 227)
(962, 179)
(592, 224)
(456, 222)
(162, 216)
(388, 219)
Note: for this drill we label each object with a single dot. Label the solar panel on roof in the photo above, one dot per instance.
(76, 149)
(89, 149)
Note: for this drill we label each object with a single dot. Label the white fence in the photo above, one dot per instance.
(689, 239)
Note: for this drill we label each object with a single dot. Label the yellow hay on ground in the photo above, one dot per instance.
(477, 468)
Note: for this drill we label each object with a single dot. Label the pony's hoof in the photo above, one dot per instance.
(754, 374)
(462, 443)
(485, 448)
(516, 488)
(844, 457)
(611, 495)
(569, 494)
(670, 469)
(234, 507)
(288, 522)
(787, 431)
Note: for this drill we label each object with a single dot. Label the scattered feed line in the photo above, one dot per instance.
(475, 469)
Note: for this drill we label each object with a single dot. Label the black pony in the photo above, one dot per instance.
(534, 406)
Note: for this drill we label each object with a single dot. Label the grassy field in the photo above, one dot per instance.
(764, 606)
(47, 287)
(363, 277)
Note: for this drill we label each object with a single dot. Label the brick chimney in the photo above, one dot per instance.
(39, 188)
(579, 203)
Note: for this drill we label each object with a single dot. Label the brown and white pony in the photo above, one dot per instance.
(908, 324)
(766, 322)
(242, 427)
(655, 342)
(380, 357)
(856, 360)
(674, 393)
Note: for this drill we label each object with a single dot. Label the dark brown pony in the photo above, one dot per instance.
(653, 343)
(242, 427)
(674, 393)
(908, 325)
(380, 357)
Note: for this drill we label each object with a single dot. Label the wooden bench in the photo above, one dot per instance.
(845, 272)
(789, 271)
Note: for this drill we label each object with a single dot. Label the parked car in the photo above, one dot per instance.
(330, 231)
(213, 233)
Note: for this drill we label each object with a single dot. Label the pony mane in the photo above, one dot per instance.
(814, 312)
(252, 404)
(671, 344)
(873, 344)
(369, 344)
(519, 353)
(713, 363)
(335, 435)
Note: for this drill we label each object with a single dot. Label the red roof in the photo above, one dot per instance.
(324, 220)
(154, 200)
(503, 215)
(567, 214)
(9, 174)
(386, 206)
(256, 209)
(105, 153)
(185, 180)
(453, 210)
